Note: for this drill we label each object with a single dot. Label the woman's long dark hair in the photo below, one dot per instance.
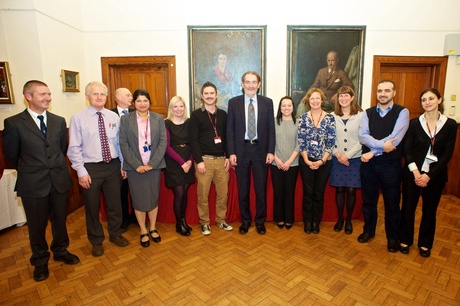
(279, 115)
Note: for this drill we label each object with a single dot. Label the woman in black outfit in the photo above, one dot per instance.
(179, 173)
(428, 147)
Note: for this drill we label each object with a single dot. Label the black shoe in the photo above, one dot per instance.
(155, 239)
(338, 226)
(365, 237)
(393, 246)
(182, 230)
(315, 228)
(425, 253)
(244, 228)
(348, 227)
(261, 230)
(146, 243)
(68, 259)
(184, 224)
(41, 273)
(280, 224)
(307, 227)
(288, 225)
(404, 249)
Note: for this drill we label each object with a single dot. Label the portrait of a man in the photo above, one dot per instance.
(325, 58)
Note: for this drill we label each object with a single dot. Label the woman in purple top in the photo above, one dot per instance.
(179, 173)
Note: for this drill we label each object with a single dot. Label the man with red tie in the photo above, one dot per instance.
(94, 152)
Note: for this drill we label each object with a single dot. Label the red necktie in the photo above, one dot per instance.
(104, 142)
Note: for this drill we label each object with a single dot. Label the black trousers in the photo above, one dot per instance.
(105, 177)
(431, 195)
(314, 184)
(252, 161)
(38, 211)
(284, 193)
(385, 176)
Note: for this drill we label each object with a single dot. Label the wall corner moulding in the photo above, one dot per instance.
(6, 89)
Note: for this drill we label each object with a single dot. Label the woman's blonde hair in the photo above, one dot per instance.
(172, 102)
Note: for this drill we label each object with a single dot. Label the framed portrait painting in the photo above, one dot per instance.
(70, 81)
(325, 57)
(6, 90)
(221, 55)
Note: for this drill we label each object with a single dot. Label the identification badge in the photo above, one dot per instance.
(147, 148)
(217, 140)
(314, 142)
(430, 158)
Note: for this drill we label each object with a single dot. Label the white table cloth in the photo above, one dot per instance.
(11, 209)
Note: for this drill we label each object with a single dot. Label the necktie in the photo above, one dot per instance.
(251, 121)
(124, 112)
(42, 125)
(104, 142)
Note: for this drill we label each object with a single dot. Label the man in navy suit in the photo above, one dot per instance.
(124, 98)
(251, 148)
(35, 144)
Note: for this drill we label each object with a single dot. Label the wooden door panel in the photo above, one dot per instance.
(156, 74)
(410, 81)
(412, 74)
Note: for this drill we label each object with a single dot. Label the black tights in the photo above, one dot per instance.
(180, 201)
(340, 200)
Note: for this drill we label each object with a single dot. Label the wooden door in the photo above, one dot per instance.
(156, 74)
(411, 75)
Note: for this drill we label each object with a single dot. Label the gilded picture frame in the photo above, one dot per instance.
(6, 89)
(70, 81)
(221, 55)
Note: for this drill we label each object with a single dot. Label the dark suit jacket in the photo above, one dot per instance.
(236, 126)
(417, 143)
(129, 141)
(40, 162)
(116, 111)
(330, 84)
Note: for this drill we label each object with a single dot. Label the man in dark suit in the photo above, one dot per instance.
(251, 146)
(35, 144)
(124, 98)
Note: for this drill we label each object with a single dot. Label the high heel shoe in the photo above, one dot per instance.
(348, 227)
(280, 224)
(288, 225)
(184, 223)
(338, 226)
(144, 244)
(181, 229)
(155, 239)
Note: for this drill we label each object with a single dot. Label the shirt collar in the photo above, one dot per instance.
(34, 114)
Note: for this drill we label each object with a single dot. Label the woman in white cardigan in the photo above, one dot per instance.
(346, 154)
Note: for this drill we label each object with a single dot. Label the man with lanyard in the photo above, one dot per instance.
(208, 142)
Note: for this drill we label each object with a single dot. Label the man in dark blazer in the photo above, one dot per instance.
(35, 144)
(251, 152)
(124, 98)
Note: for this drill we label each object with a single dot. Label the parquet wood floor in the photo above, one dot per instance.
(226, 268)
